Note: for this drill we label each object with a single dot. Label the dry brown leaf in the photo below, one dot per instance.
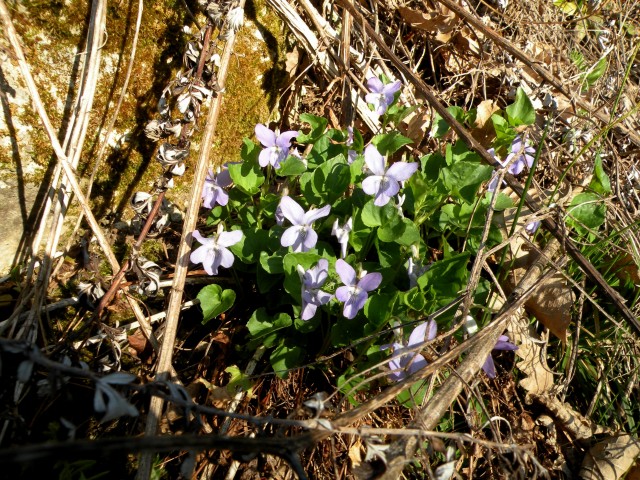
(138, 342)
(484, 110)
(416, 125)
(354, 453)
(552, 302)
(432, 22)
(611, 458)
(531, 359)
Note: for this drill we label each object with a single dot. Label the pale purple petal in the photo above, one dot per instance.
(374, 84)
(489, 367)
(308, 311)
(343, 293)
(418, 363)
(291, 236)
(402, 171)
(347, 273)
(226, 239)
(226, 257)
(199, 255)
(392, 88)
(532, 227)
(323, 297)
(214, 262)
(292, 211)
(354, 304)
(371, 185)
(418, 335)
(503, 343)
(370, 281)
(223, 179)
(374, 160)
(381, 199)
(284, 139)
(493, 184)
(200, 238)
(265, 157)
(265, 136)
(310, 239)
(315, 213)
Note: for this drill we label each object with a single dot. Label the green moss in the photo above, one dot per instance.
(153, 250)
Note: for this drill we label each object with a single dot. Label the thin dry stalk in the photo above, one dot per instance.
(165, 357)
(109, 129)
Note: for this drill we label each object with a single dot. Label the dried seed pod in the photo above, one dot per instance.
(148, 274)
(169, 155)
(142, 203)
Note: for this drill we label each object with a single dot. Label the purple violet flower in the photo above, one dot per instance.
(276, 145)
(300, 236)
(342, 233)
(214, 188)
(212, 253)
(354, 292)
(381, 95)
(384, 184)
(351, 154)
(503, 344)
(405, 359)
(532, 227)
(523, 154)
(415, 270)
(312, 280)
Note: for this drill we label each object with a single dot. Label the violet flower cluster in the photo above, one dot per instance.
(489, 366)
(521, 155)
(405, 359)
(354, 292)
(300, 236)
(277, 145)
(213, 252)
(385, 182)
(312, 282)
(381, 96)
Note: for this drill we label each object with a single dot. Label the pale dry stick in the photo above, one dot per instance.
(109, 129)
(549, 224)
(62, 158)
(72, 150)
(428, 416)
(39, 107)
(165, 357)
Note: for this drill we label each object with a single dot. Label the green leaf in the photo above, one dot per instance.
(586, 210)
(388, 143)
(600, 182)
(324, 149)
(214, 301)
(318, 125)
(446, 278)
(247, 176)
(261, 326)
(272, 264)
(463, 178)
(290, 264)
(237, 380)
(378, 308)
(595, 73)
(284, 358)
(371, 214)
(413, 397)
(253, 242)
(291, 166)
(331, 179)
(521, 112)
(414, 299)
(441, 127)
